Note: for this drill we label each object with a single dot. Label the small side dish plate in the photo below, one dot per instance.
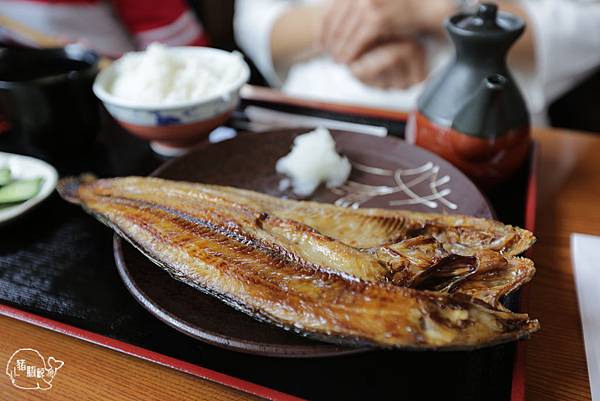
(387, 173)
(23, 167)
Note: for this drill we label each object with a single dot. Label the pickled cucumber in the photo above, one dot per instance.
(20, 191)
(5, 176)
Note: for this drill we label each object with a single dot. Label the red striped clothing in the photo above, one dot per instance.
(109, 27)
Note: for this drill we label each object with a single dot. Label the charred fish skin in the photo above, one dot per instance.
(265, 280)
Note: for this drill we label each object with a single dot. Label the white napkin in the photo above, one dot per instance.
(585, 250)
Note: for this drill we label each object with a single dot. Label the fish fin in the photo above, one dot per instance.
(68, 187)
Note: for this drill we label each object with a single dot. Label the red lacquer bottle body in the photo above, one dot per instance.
(472, 112)
(487, 161)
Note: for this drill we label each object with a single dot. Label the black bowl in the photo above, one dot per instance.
(46, 97)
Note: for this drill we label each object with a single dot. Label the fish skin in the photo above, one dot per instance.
(223, 249)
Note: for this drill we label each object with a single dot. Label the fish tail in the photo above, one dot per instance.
(68, 187)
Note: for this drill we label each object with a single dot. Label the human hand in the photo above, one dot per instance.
(398, 65)
(351, 27)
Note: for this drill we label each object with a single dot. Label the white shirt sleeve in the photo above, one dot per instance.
(567, 41)
(253, 23)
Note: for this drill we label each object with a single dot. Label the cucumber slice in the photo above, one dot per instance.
(21, 190)
(5, 177)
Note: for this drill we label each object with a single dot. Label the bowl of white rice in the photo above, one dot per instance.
(173, 97)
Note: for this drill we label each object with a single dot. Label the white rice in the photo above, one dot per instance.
(163, 76)
(312, 161)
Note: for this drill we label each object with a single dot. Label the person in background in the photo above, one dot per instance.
(378, 52)
(109, 27)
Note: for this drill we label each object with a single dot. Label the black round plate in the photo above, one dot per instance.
(248, 161)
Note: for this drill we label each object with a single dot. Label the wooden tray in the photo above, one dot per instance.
(526, 186)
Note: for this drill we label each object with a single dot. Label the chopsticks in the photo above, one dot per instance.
(31, 35)
(39, 39)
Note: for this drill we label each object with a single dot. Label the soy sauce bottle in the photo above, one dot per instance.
(472, 113)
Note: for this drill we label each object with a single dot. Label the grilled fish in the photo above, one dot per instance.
(286, 272)
(373, 227)
(486, 276)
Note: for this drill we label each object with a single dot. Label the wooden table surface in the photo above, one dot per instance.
(568, 201)
(556, 368)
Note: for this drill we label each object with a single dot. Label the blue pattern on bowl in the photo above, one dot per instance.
(166, 119)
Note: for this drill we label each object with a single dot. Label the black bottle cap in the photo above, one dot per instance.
(487, 19)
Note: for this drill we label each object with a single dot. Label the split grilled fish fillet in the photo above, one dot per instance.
(407, 244)
(372, 227)
(285, 271)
